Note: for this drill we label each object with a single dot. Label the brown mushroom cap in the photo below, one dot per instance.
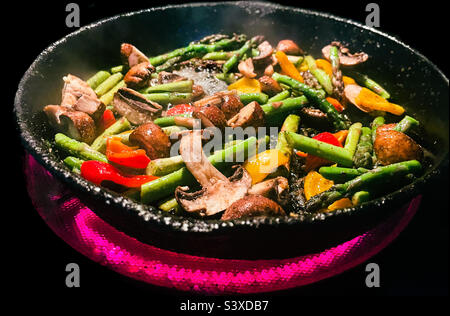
(152, 138)
(265, 55)
(269, 85)
(139, 75)
(135, 107)
(391, 147)
(210, 115)
(252, 206)
(132, 56)
(289, 47)
(75, 124)
(250, 115)
(345, 58)
(231, 104)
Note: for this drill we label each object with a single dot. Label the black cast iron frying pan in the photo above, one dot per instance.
(411, 78)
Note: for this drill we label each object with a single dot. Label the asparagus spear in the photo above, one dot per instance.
(164, 186)
(119, 126)
(169, 97)
(109, 96)
(177, 86)
(280, 96)
(339, 174)
(283, 106)
(405, 124)
(261, 98)
(363, 154)
(98, 78)
(373, 180)
(167, 121)
(108, 84)
(338, 120)
(372, 85)
(115, 69)
(219, 55)
(163, 166)
(360, 197)
(198, 48)
(336, 79)
(228, 78)
(73, 162)
(377, 122)
(352, 139)
(321, 76)
(290, 125)
(230, 63)
(169, 205)
(320, 149)
(78, 149)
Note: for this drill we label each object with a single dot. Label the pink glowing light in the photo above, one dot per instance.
(81, 228)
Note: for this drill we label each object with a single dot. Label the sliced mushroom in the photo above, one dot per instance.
(265, 55)
(210, 115)
(246, 68)
(79, 96)
(351, 92)
(139, 75)
(91, 106)
(252, 206)
(315, 118)
(135, 107)
(168, 77)
(75, 124)
(269, 85)
(250, 115)
(197, 92)
(276, 189)
(345, 58)
(218, 192)
(289, 47)
(391, 147)
(227, 101)
(132, 56)
(152, 138)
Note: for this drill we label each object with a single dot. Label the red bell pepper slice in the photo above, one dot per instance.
(124, 155)
(97, 172)
(312, 162)
(107, 119)
(180, 109)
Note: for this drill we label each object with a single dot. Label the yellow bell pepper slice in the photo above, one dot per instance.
(342, 203)
(287, 67)
(264, 163)
(372, 101)
(315, 183)
(246, 85)
(348, 80)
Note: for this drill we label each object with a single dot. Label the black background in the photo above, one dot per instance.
(416, 263)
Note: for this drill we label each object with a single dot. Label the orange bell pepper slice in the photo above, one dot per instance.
(325, 65)
(246, 85)
(287, 67)
(124, 155)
